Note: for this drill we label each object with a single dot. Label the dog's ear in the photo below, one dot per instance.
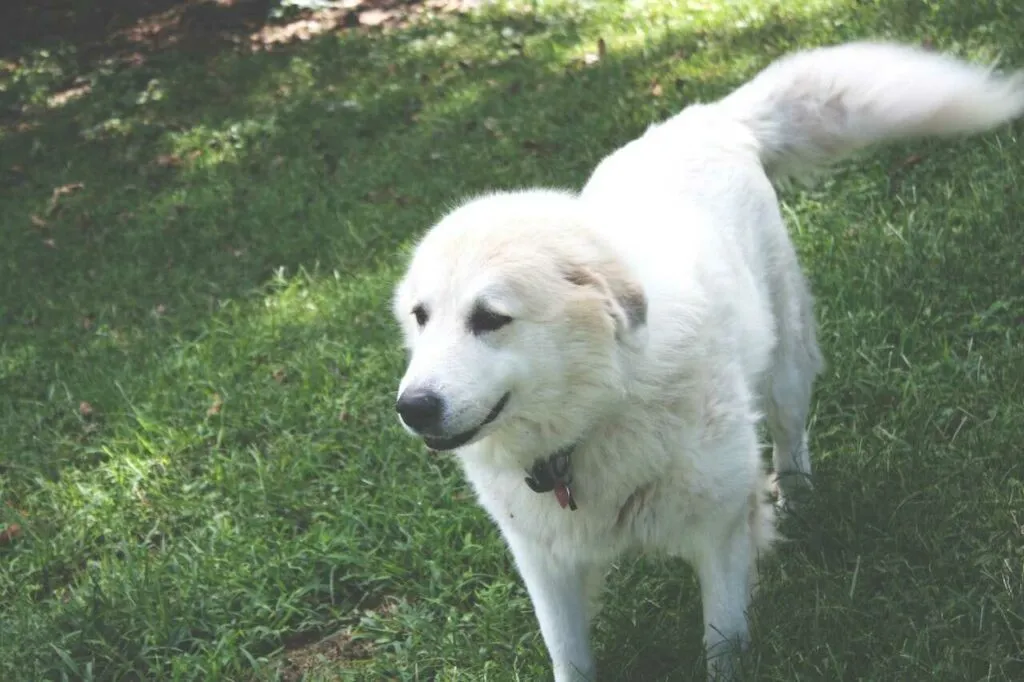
(624, 296)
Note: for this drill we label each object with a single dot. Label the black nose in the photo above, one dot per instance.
(420, 409)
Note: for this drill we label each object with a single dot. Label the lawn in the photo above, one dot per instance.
(201, 474)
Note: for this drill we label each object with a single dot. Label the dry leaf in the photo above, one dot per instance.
(373, 17)
(68, 188)
(8, 534)
(214, 408)
(58, 192)
(87, 322)
(37, 221)
(50, 243)
(160, 309)
(280, 375)
(85, 409)
(168, 161)
(656, 89)
(911, 161)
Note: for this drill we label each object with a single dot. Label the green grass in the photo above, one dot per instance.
(197, 362)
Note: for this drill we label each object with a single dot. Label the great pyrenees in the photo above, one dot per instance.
(599, 360)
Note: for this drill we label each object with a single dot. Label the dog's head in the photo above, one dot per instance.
(517, 318)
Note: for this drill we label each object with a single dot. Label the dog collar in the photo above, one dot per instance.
(554, 473)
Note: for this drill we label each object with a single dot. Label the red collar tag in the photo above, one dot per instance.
(564, 495)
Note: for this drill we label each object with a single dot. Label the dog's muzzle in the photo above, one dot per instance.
(423, 410)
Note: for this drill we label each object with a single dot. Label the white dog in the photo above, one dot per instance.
(600, 360)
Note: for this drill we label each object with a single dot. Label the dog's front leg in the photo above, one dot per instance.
(556, 587)
(724, 566)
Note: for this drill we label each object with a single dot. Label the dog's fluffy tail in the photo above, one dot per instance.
(814, 107)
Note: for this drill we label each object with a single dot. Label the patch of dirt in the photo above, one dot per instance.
(330, 652)
(304, 654)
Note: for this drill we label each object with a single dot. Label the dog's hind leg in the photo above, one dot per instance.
(788, 396)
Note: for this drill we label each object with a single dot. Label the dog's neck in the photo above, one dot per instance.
(546, 468)
(519, 442)
(514, 453)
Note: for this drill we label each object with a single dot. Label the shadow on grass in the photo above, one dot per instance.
(130, 31)
(167, 190)
(203, 459)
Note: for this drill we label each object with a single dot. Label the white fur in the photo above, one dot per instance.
(656, 315)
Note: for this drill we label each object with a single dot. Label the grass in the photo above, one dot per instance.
(200, 472)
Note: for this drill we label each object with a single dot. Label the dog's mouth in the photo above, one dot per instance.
(460, 439)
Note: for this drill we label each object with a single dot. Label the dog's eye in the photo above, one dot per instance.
(483, 320)
(421, 315)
